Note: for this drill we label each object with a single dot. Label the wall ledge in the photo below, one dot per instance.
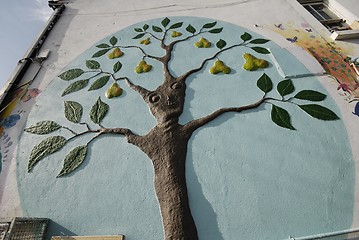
(346, 34)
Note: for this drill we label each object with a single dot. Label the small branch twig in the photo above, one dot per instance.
(187, 38)
(163, 39)
(120, 131)
(93, 138)
(154, 36)
(83, 133)
(87, 126)
(143, 52)
(73, 132)
(289, 100)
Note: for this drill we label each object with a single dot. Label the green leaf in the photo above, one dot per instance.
(281, 117)
(44, 148)
(43, 127)
(138, 29)
(246, 36)
(216, 30)
(310, 95)
(71, 74)
(190, 29)
(76, 86)
(139, 36)
(117, 66)
(73, 160)
(221, 44)
(176, 25)
(113, 41)
(260, 50)
(319, 112)
(209, 25)
(92, 64)
(98, 111)
(285, 87)
(103, 45)
(99, 83)
(101, 52)
(73, 111)
(157, 29)
(145, 27)
(259, 41)
(264, 83)
(165, 22)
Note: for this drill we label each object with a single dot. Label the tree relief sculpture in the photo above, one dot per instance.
(167, 142)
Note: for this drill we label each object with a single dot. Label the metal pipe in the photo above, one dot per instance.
(325, 235)
(22, 67)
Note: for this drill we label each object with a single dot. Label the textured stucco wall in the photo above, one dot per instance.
(244, 179)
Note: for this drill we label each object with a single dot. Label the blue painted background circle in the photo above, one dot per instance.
(247, 178)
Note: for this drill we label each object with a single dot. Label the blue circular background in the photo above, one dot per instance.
(247, 178)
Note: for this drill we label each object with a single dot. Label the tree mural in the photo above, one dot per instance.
(166, 143)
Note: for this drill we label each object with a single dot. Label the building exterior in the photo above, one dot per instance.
(192, 120)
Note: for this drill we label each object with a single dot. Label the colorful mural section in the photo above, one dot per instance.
(10, 115)
(337, 58)
(140, 111)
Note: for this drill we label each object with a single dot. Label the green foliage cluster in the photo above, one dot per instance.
(73, 112)
(280, 116)
(99, 78)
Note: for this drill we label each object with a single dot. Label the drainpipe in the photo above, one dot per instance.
(31, 54)
(326, 235)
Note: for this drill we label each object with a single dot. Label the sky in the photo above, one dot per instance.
(21, 21)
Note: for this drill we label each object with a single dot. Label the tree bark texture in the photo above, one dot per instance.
(167, 148)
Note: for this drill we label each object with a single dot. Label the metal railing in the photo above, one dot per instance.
(25, 229)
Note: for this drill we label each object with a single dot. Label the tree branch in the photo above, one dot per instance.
(195, 124)
(130, 136)
(141, 90)
(72, 131)
(152, 35)
(121, 131)
(195, 70)
(87, 126)
(187, 38)
(143, 52)
(163, 45)
(169, 49)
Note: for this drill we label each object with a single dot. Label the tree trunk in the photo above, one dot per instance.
(167, 148)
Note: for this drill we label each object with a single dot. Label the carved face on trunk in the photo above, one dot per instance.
(166, 102)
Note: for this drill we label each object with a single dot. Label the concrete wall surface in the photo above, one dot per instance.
(281, 160)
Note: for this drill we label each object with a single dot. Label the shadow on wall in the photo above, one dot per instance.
(207, 222)
(55, 229)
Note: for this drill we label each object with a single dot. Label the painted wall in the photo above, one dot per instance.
(247, 177)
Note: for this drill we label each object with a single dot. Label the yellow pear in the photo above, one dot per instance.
(143, 67)
(219, 67)
(114, 91)
(145, 41)
(203, 43)
(116, 53)
(176, 34)
(252, 63)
